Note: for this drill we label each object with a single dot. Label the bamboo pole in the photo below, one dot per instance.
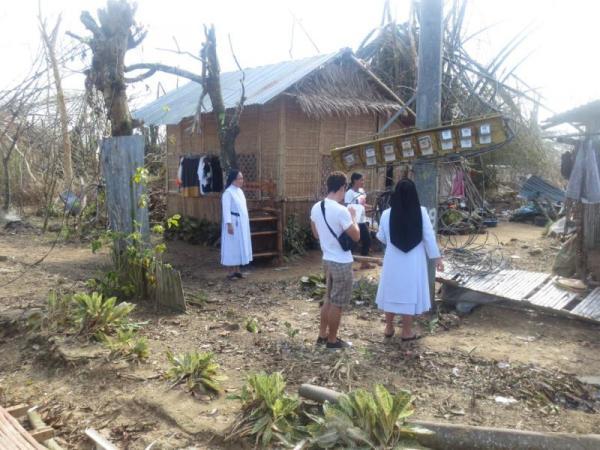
(37, 423)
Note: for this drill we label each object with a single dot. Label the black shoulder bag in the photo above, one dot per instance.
(344, 240)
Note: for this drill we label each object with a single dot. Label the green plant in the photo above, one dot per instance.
(315, 284)
(363, 419)
(128, 345)
(97, 316)
(290, 330)
(365, 291)
(198, 298)
(268, 413)
(296, 238)
(134, 261)
(251, 325)
(194, 231)
(198, 370)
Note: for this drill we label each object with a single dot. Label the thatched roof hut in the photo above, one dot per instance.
(295, 112)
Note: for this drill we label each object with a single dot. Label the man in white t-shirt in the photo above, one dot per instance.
(337, 261)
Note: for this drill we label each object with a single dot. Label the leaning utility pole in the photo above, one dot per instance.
(429, 105)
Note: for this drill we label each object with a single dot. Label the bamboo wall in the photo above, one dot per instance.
(277, 142)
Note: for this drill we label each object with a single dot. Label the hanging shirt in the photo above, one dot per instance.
(236, 248)
(356, 200)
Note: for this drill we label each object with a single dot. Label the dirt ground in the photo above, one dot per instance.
(456, 372)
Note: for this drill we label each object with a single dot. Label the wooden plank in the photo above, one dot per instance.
(43, 434)
(15, 434)
(17, 410)
(264, 233)
(100, 441)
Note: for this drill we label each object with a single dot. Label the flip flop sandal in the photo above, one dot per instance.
(231, 277)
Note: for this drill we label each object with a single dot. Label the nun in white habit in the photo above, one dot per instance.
(236, 245)
(406, 231)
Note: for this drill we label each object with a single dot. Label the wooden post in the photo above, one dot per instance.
(121, 156)
(429, 106)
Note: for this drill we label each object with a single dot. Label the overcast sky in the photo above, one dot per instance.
(564, 65)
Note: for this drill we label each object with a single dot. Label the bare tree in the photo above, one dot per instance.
(49, 39)
(228, 119)
(112, 36)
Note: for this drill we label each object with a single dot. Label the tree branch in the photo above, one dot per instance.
(141, 77)
(89, 22)
(167, 69)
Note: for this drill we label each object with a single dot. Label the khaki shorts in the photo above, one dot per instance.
(339, 283)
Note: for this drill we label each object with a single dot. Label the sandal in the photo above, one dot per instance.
(231, 277)
(414, 337)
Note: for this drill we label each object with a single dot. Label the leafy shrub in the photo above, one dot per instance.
(97, 316)
(364, 290)
(268, 413)
(363, 419)
(296, 238)
(251, 325)
(133, 262)
(126, 344)
(195, 231)
(198, 370)
(315, 285)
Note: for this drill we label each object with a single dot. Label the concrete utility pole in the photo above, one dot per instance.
(429, 104)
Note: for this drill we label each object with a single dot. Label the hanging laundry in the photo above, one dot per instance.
(189, 177)
(179, 179)
(204, 175)
(217, 174)
(210, 174)
(458, 184)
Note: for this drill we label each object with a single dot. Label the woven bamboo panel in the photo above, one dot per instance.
(302, 149)
(591, 225)
(247, 141)
(172, 168)
(269, 140)
(248, 164)
(332, 134)
(301, 209)
(359, 127)
(326, 167)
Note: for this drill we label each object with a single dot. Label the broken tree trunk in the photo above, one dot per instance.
(121, 156)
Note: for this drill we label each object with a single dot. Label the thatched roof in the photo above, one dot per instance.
(323, 85)
(342, 88)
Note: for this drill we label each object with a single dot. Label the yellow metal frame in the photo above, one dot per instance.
(371, 153)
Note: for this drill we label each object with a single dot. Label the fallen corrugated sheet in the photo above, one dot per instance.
(589, 306)
(535, 289)
(538, 188)
(552, 296)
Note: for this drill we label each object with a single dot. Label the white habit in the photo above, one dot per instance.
(236, 248)
(404, 285)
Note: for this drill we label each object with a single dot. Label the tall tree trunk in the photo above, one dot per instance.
(227, 124)
(50, 44)
(7, 196)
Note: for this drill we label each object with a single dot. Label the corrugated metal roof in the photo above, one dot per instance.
(261, 84)
(536, 187)
(582, 114)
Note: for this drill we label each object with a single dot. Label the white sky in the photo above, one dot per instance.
(565, 64)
